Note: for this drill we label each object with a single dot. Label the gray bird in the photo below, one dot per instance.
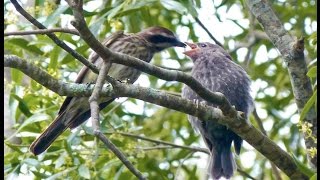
(215, 70)
(76, 110)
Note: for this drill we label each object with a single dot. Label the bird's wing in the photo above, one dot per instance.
(93, 58)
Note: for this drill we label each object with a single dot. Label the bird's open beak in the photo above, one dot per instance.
(193, 47)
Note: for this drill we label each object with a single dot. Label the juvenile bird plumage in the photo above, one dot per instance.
(215, 70)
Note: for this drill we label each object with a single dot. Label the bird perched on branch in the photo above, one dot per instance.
(215, 70)
(76, 110)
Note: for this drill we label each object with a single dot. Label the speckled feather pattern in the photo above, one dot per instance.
(127, 44)
(215, 70)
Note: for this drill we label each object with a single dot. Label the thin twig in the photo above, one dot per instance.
(187, 69)
(55, 39)
(204, 150)
(208, 32)
(120, 155)
(259, 121)
(155, 148)
(42, 31)
(245, 174)
(260, 124)
(251, 38)
(94, 98)
(181, 164)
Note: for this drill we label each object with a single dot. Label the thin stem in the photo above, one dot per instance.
(42, 31)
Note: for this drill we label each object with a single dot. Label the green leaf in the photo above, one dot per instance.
(54, 55)
(313, 38)
(314, 177)
(308, 105)
(13, 147)
(39, 2)
(61, 174)
(22, 105)
(191, 8)
(113, 12)
(88, 14)
(24, 44)
(34, 118)
(54, 17)
(31, 162)
(302, 167)
(16, 75)
(312, 72)
(69, 58)
(84, 171)
(60, 161)
(174, 6)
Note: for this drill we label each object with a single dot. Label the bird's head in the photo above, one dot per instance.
(205, 49)
(160, 38)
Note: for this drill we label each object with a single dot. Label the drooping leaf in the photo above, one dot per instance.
(22, 105)
(308, 105)
(302, 167)
(24, 44)
(32, 119)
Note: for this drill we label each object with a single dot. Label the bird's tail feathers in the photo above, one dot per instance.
(56, 128)
(222, 164)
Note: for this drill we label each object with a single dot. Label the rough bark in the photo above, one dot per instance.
(293, 56)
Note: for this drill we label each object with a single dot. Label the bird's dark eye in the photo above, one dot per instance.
(203, 45)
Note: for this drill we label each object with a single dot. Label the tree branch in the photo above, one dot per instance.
(94, 98)
(237, 124)
(42, 31)
(292, 53)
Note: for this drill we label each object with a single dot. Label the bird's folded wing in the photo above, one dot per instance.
(93, 58)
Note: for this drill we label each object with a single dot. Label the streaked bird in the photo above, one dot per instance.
(76, 110)
(215, 70)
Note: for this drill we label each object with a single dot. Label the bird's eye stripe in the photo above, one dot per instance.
(161, 38)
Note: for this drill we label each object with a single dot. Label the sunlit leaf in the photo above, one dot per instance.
(173, 5)
(312, 72)
(308, 105)
(84, 171)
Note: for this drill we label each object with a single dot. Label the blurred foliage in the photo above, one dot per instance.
(78, 155)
